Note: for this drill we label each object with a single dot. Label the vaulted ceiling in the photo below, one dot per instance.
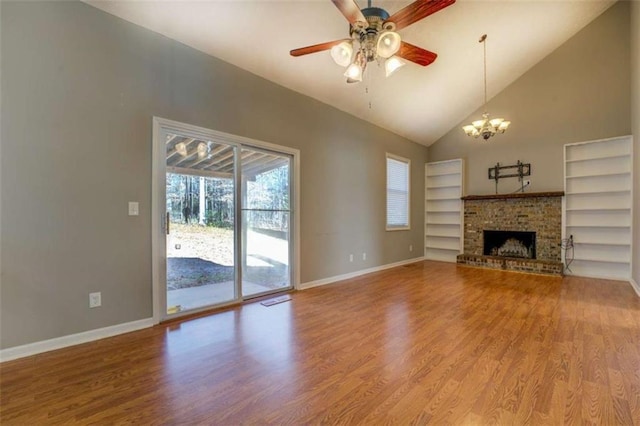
(419, 103)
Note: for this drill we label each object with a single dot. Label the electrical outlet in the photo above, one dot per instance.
(95, 299)
(364, 256)
(410, 247)
(350, 258)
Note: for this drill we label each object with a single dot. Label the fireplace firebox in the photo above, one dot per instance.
(518, 244)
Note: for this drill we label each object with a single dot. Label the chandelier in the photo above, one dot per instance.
(486, 127)
(376, 42)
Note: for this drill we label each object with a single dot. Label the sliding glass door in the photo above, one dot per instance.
(266, 222)
(200, 231)
(223, 211)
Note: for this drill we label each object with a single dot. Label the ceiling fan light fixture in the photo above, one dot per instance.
(354, 73)
(392, 64)
(388, 44)
(372, 32)
(341, 53)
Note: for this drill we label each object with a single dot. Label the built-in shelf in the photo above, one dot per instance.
(444, 199)
(603, 157)
(596, 191)
(605, 209)
(443, 189)
(436, 246)
(599, 243)
(617, 191)
(442, 174)
(595, 259)
(598, 175)
(594, 225)
(442, 236)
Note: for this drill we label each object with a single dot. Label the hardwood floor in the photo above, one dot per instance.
(424, 343)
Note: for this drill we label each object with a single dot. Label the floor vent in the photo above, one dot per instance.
(276, 300)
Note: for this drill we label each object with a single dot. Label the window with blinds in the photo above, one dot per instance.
(397, 192)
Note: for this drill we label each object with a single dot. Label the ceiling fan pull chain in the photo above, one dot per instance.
(367, 80)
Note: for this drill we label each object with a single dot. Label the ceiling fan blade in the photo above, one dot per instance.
(416, 11)
(316, 47)
(416, 54)
(350, 10)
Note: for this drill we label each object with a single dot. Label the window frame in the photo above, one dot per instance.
(388, 227)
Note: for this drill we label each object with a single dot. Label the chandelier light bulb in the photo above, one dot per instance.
(471, 130)
(504, 126)
(478, 124)
(495, 122)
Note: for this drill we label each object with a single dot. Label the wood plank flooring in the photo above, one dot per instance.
(428, 343)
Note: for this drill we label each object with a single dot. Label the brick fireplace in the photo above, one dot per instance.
(518, 232)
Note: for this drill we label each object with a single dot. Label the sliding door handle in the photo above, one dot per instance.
(167, 222)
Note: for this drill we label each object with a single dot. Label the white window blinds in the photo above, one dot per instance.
(397, 192)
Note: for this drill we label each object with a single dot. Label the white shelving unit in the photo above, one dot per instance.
(443, 210)
(598, 206)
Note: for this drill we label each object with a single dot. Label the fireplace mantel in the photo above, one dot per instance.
(516, 195)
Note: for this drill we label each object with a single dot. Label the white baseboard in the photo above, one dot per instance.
(635, 286)
(72, 339)
(331, 280)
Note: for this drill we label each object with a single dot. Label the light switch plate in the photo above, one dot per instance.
(134, 208)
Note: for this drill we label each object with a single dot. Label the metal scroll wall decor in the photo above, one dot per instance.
(519, 170)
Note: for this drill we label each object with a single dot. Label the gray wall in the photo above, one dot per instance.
(635, 124)
(580, 92)
(79, 88)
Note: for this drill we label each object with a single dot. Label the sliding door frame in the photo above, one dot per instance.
(162, 126)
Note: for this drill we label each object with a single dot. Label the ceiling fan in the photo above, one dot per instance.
(373, 31)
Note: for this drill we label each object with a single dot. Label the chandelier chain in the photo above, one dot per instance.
(483, 40)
